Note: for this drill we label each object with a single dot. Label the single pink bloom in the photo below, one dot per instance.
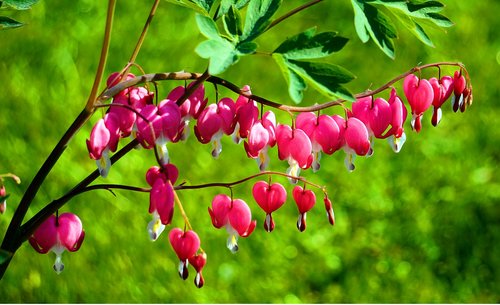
(235, 215)
(329, 210)
(396, 135)
(57, 234)
(261, 137)
(191, 108)
(305, 200)
(3, 202)
(443, 89)
(215, 121)
(356, 140)
(420, 95)
(185, 245)
(198, 262)
(459, 88)
(269, 198)
(104, 138)
(295, 147)
(323, 132)
(246, 114)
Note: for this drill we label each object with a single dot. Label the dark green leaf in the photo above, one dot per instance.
(258, 17)
(207, 27)
(205, 4)
(225, 5)
(221, 54)
(371, 22)
(415, 28)
(326, 78)
(7, 23)
(246, 48)
(440, 20)
(296, 84)
(190, 4)
(5, 256)
(232, 22)
(20, 4)
(306, 45)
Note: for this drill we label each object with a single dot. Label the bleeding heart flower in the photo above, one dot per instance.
(235, 215)
(57, 234)
(198, 262)
(191, 108)
(459, 88)
(356, 140)
(305, 200)
(420, 95)
(269, 198)
(246, 114)
(3, 198)
(185, 245)
(261, 137)
(442, 88)
(295, 147)
(329, 210)
(104, 138)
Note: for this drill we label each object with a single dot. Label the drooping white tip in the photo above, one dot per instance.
(349, 161)
(232, 243)
(58, 264)
(104, 163)
(155, 227)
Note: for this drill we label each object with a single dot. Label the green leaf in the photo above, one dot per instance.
(306, 45)
(440, 20)
(5, 256)
(221, 53)
(296, 84)
(206, 5)
(2, 198)
(190, 4)
(225, 5)
(371, 22)
(246, 48)
(8, 23)
(232, 22)
(207, 27)
(20, 4)
(258, 17)
(415, 28)
(326, 78)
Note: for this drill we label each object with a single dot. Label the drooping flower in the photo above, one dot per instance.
(246, 114)
(329, 210)
(161, 197)
(214, 122)
(295, 147)
(198, 262)
(323, 132)
(443, 88)
(459, 90)
(269, 198)
(104, 138)
(57, 234)
(185, 245)
(305, 200)
(261, 137)
(235, 216)
(356, 140)
(420, 95)
(3, 198)
(396, 135)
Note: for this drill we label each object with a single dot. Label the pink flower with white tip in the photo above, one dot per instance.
(160, 127)
(443, 88)
(161, 197)
(198, 262)
(459, 90)
(261, 137)
(215, 121)
(295, 147)
(235, 216)
(104, 138)
(246, 114)
(420, 95)
(269, 198)
(57, 234)
(329, 210)
(185, 245)
(3, 198)
(323, 132)
(305, 200)
(356, 140)
(191, 108)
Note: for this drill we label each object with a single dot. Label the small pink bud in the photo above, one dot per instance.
(185, 245)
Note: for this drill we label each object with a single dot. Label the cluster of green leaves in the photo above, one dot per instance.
(294, 55)
(9, 23)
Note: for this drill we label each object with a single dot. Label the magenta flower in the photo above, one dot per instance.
(214, 122)
(198, 261)
(329, 210)
(295, 147)
(459, 90)
(420, 95)
(356, 140)
(161, 197)
(185, 245)
(246, 114)
(260, 138)
(191, 108)
(57, 234)
(305, 200)
(443, 88)
(235, 215)
(323, 132)
(269, 198)
(116, 78)
(104, 138)
(136, 98)
(3, 198)
(396, 135)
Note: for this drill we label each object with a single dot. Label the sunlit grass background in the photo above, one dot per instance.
(418, 226)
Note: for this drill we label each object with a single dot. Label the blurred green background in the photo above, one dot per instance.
(418, 226)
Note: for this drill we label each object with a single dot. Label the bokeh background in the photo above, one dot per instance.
(418, 226)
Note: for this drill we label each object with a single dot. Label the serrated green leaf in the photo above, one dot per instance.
(326, 78)
(190, 4)
(296, 84)
(204, 4)
(20, 4)
(232, 22)
(246, 48)
(371, 22)
(221, 53)
(226, 4)
(258, 17)
(422, 35)
(207, 27)
(5, 256)
(306, 45)
(8, 23)
(415, 28)
(440, 20)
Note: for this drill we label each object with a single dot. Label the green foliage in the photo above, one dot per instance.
(6, 23)
(9, 23)
(258, 17)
